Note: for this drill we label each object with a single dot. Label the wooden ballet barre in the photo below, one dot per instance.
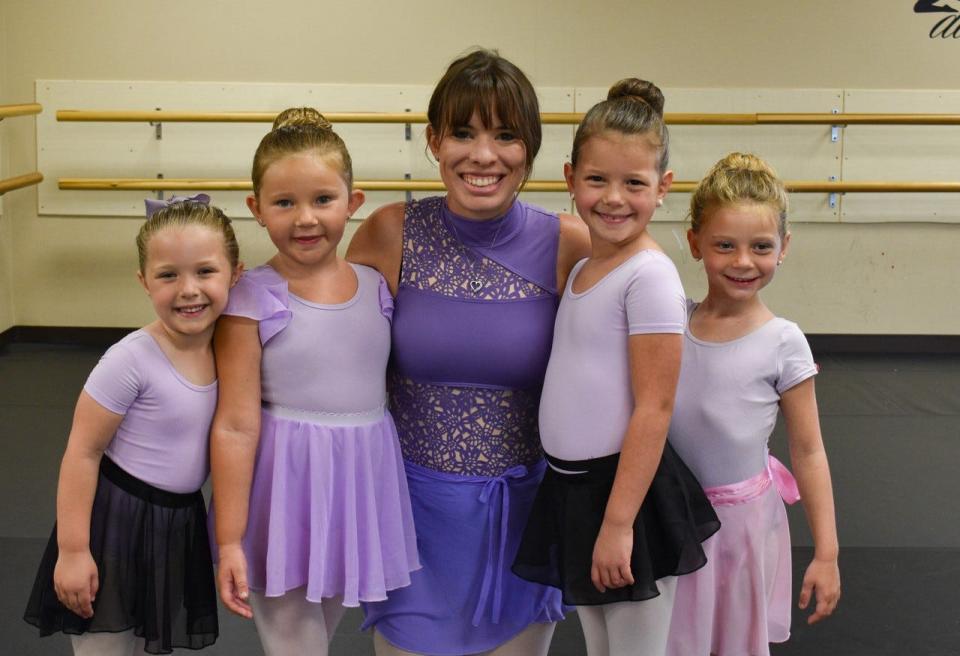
(199, 184)
(548, 118)
(19, 110)
(20, 181)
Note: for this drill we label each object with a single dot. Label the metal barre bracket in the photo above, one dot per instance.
(158, 126)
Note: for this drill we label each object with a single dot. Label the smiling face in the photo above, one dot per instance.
(617, 187)
(481, 166)
(740, 245)
(304, 204)
(187, 276)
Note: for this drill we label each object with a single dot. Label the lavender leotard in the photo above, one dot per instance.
(329, 508)
(135, 379)
(471, 339)
(587, 397)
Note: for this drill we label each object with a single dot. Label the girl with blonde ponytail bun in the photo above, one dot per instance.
(312, 509)
(741, 366)
(618, 516)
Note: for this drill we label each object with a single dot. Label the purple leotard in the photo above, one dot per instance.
(471, 339)
(163, 437)
(329, 508)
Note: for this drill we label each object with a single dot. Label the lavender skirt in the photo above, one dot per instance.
(465, 599)
(329, 507)
(740, 602)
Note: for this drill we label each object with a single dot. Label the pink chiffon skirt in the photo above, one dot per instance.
(741, 601)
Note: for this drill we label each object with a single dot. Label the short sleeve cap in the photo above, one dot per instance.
(115, 382)
(796, 360)
(654, 297)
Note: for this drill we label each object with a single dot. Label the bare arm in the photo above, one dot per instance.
(809, 459)
(233, 447)
(75, 576)
(378, 243)
(574, 246)
(654, 371)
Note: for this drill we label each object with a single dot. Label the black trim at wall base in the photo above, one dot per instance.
(102, 337)
(821, 344)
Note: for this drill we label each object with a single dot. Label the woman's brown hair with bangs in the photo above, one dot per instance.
(484, 82)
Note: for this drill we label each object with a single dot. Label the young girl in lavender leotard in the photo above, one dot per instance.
(741, 365)
(618, 514)
(127, 569)
(311, 507)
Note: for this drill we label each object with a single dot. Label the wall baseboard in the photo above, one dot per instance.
(102, 337)
(821, 344)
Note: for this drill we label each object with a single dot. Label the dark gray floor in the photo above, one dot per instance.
(892, 426)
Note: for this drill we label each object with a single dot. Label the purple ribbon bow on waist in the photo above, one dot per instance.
(496, 486)
(154, 206)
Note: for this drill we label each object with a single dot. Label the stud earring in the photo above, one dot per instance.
(659, 202)
(779, 262)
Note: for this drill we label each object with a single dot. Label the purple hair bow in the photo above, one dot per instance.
(154, 206)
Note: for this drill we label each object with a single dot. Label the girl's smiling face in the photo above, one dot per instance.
(304, 203)
(617, 186)
(741, 247)
(188, 276)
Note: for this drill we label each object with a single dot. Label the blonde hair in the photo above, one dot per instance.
(185, 213)
(297, 130)
(633, 107)
(737, 178)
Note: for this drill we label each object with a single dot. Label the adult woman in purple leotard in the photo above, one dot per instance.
(475, 274)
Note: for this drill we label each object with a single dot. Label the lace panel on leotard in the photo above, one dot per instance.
(461, 429)
(434, 259)
(473, 431)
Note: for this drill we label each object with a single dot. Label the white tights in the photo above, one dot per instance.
(291, 625)
(634, 628)
(107, 644)
(532, 641)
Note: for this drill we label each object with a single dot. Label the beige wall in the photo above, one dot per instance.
(6, 284)
(885, 278)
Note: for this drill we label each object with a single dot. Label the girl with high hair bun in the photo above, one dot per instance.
(311, 506)
(475, 274)
(128, 569)
(741, 367)
(618, 516)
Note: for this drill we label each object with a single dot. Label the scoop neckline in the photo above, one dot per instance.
(324, 306)
(579, 266)
(176, 372)
(713, 344)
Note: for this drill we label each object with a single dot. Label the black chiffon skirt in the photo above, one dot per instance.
(153, 564)
(557, 545)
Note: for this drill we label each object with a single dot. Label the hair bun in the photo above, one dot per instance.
(301, 117)
(746, 162)
(638, 89)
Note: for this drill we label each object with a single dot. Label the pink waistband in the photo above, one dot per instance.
(750, 489)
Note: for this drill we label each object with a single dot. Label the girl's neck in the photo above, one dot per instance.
(187, 344)
(330, 281)
(608, 253)
(724, 320)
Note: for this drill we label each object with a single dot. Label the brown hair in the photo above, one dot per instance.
(185, 213)
(633, 106)
(736, 178)
(484, 82)
(297, 130)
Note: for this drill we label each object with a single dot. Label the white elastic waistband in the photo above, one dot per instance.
(360, 417)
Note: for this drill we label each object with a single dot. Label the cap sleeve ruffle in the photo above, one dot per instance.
(261, 294)
(386, 299)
